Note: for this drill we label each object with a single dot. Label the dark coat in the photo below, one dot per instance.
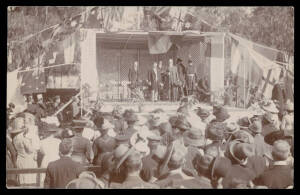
(149, 168)
(133, 78)
(101, 146)
(173, 181)
(188, 167)
(277, 177)
(60, 172)
(82, 149)
(279, 94)
(154, 84)
(181, 72)
(237, 172)
(133, 182)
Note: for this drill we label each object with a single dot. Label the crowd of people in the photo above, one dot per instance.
(193, 148)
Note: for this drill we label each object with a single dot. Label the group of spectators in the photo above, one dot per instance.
(192, 148)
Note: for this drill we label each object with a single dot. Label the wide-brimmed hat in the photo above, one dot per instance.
(289, 106)
(244, 122)
(67, 133)
(221, 114)
(182, 123)
(232, 128)
(270, 107)
(256, 126)
(16, 123)
(277, 135)
(194, 137)
(240, 150)
(220, 167)
(86, 180)
(131, 117)
(215, 131)
(78, 124)
(243, 135)
(202, 163)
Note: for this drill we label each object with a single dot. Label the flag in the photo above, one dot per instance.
(33, 81)
(160, 43)
(69, 49)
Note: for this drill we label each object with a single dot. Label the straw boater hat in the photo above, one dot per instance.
(18, 125)
(240, 151)
(194, 137)
(270, 107)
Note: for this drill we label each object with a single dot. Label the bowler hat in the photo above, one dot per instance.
(194, 138)
(256, 126)
(215, 131)
(78, 124)
(220, 167)
(232, 127)
(240, 151)
(221, 114)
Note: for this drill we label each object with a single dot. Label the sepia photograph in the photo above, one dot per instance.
(150, 97)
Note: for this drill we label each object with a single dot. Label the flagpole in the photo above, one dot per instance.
(244, 83)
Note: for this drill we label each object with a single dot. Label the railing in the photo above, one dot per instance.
(38, 171)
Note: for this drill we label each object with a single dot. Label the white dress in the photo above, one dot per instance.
(25, 158)
(50, 148)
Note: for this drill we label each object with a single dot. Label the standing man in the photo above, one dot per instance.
(191, 77)
(60, 172)
(173, 80)
(182, 77)
(75, 108)
(161, 74)
(41, 107)
(279, 94)
(133, 77)
(154, 79)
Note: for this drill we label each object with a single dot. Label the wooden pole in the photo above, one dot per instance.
(66, 104)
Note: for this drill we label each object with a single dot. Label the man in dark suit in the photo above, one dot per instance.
(279, 94)
(182, 76)
(280, 175)
(60, 172)
(154, 79)
(133, 76)
(173, 80)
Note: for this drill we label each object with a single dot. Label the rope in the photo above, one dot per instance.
(46, 67)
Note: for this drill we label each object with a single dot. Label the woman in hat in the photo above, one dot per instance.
(50, 148)
(104, 143)
(287, 123)
(25, 150)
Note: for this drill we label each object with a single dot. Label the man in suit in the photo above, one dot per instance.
(279, 94)
(154, 79)
(182, 77)
(173, 80)
(280, 175)
(191, 77)
(75, 109)
(133, 76)
(60, 172)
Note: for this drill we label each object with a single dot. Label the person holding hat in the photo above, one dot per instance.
(104, 143)
(287, 123)
(191, 77)
(132, 162)
(25, 150)
(149, 171)
(194, 140)
(49, 148)
(279, 175)
(173, 158)
(82, 147)
(60, 172)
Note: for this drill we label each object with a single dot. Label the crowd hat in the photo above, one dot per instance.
(67, 133)
(271, 137)
(270, 107)
(18, 125)
(243, 135)
(232, 128)
(140, 142)
(240, 151)
(78, 124)
(212, 149)
(202, 163)
(127, 112)
(194, 137)
(220, 167)
(135, 158)
(131, 117)
(86, 180)
(158, 110)
(256, 127)
(222, 114)
(182, 123)
(215, 131)
(289, 106)
(244, 122)
(179, 60)
(173, 120)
